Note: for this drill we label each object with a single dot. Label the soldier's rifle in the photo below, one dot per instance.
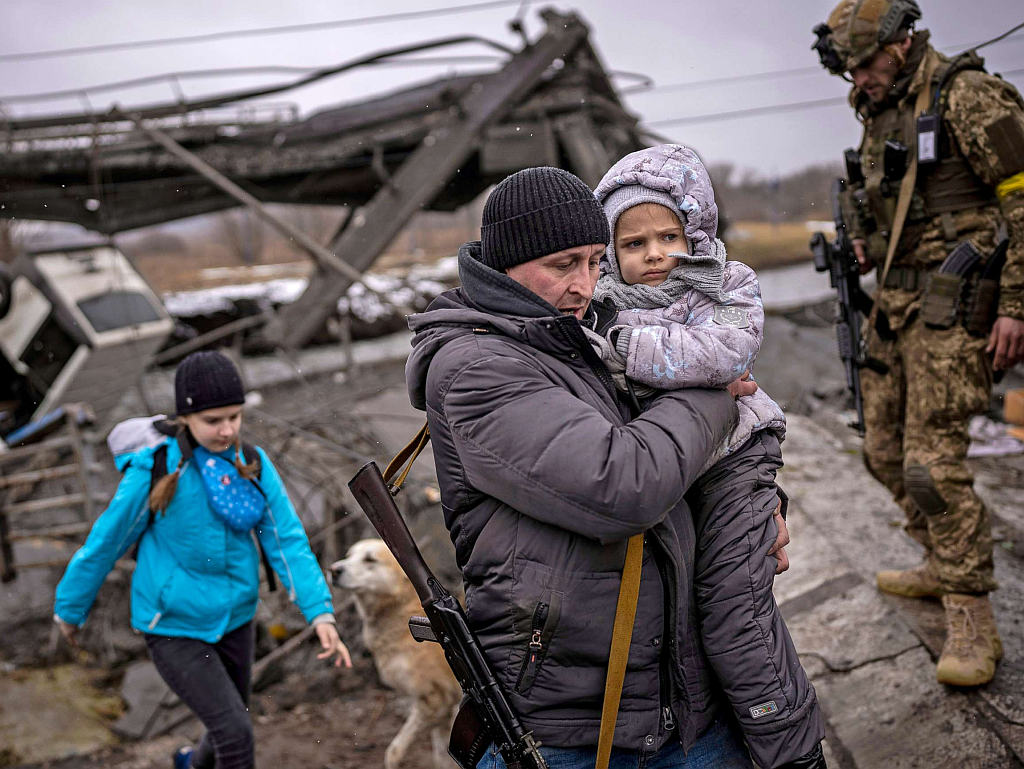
(486, 715)
(838, 258)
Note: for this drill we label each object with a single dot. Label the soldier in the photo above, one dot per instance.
(953, 172)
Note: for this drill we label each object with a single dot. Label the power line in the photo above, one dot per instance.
(784, 73)
(997, 38)
(751, 76)
(276, 30)
(771, 109)
(233, 72)
(217, 100)
(269, 69)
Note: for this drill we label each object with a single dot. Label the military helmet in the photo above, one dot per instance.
(857, 29)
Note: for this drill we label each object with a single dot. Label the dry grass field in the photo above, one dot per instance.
(764, 245)
(230, 249)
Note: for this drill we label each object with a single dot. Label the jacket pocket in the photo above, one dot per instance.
(161, 600)
(542, 627)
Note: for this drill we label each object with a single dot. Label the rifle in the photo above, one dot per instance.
(839, 260)
(485, 715)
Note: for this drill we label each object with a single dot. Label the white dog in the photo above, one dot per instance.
(385, 600)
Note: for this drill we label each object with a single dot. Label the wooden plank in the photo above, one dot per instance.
(67, 530)
(78, 445)
(30, 450)
(34, 476)
(7, 571)
(35, 505)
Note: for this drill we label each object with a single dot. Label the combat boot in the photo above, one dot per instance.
(972, 645)
(910, 583)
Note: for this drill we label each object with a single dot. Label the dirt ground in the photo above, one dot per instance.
(311, 715)
(346, 723)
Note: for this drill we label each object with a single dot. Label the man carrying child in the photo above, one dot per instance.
(546, 470)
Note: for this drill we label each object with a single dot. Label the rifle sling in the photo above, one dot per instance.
(625, 609)
(622, 632)
(906, 187)
(407, 456)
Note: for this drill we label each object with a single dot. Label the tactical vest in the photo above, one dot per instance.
(946, 185)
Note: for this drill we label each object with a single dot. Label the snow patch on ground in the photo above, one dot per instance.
(402, 293)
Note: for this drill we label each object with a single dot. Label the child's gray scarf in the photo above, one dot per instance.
(704, 272)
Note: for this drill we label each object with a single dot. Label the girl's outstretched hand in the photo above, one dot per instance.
(332, 645)
(69, 631)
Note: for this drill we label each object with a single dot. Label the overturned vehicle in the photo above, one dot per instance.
(77, 324)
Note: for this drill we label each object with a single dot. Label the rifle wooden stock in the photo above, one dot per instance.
(485, 715)
(371, 492)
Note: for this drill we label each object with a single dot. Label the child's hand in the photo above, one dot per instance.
(742, 386)
(332, 645)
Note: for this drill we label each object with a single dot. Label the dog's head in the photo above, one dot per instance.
(370, 568)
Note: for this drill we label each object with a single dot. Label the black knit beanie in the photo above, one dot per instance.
(536, 212)
(206, 380)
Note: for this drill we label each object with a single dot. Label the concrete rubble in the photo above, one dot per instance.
(871, 657)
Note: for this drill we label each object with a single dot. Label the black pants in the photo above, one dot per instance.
(214, 681)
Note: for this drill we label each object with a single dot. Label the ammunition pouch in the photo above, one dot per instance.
(964, 289)
(981, 308)
(971, 300)
(942, 300)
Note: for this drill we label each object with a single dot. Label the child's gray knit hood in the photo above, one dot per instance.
(673, 176)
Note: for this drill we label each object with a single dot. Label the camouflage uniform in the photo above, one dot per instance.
(916, 415)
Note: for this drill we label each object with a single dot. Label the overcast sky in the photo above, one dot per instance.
(671, 41)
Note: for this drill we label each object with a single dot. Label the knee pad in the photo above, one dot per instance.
(921, 490)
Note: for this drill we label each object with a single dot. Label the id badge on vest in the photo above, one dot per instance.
(927, 139)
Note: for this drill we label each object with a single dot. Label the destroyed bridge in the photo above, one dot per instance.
(433, 146)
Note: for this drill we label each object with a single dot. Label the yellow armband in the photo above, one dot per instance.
(1014, 183)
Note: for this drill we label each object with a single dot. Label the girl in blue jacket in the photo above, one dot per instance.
(196, 582)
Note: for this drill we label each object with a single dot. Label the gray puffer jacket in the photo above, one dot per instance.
(543, 478)
(699, 342)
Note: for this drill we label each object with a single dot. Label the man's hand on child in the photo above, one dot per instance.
(742, 386)
(332, 645)
(779, 548)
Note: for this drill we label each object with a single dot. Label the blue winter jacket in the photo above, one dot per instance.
(195, 577)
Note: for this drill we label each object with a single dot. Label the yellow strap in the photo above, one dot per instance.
(1014, 183)
(906, 189)
(622, 632)
(409, 452)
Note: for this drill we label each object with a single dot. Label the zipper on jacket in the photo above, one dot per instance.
(535, 650)
(575, 336)
(669, 646)
(156, 618)
(280, 550)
